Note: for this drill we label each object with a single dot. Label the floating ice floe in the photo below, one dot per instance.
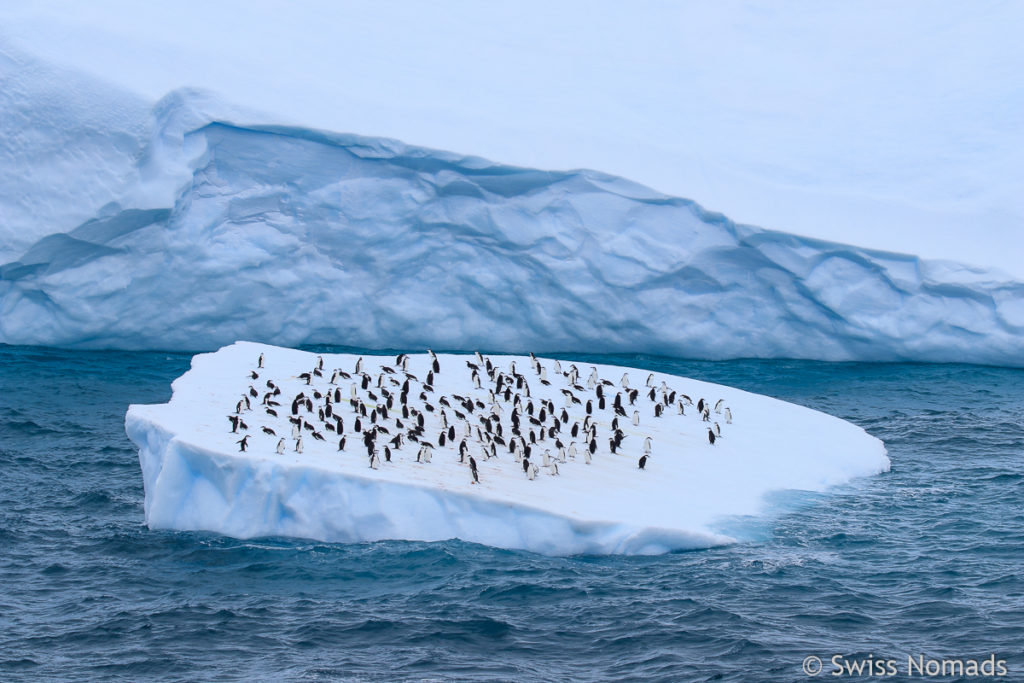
(566, 501)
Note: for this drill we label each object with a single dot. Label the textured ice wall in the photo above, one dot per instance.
(292, 236)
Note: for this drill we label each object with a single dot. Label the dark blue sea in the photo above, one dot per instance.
(923, 562)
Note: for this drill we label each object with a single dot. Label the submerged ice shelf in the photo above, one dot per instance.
(196, 478)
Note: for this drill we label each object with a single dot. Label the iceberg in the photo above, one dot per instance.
(293, 236)
(197, 478)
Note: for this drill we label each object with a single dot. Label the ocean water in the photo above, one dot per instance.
(925, 561)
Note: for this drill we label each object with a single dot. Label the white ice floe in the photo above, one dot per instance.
(196, 477)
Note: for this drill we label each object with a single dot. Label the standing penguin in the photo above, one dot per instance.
(472, 468)
(341, 444)
(259, 363)
(636, 418)
(643, 462)
(243, 443)
(280, 447)
(711, 437)
(298, 444)
(728, 416)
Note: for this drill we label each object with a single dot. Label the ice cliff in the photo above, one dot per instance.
(189, 230)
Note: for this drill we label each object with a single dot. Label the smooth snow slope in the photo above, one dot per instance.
(196, 479)
(292, 236)
(892, 126)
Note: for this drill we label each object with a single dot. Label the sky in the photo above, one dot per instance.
(896, 126)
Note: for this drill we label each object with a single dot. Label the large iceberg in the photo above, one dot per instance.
(196, 477)
(187, 226)
(286, 235)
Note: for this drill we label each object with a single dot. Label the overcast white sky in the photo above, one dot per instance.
(891, 125)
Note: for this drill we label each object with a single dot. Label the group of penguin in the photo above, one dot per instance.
(392, 407)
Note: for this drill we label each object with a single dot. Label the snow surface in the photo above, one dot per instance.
(196, 479)
(290, 236)
(893, 126)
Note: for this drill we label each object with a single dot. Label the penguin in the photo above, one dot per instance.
(711, 437)
(298, 444)
(624, 381)
(705, 414)
(700, 405)
(636, 418)
(643, 462)
(526, 466)
(472, 468)
(647, 446)
(658, 409)
(718, 431)
(718, 406)
(280, 447)
(553, 469)
(268, 430)
(728, 416)
(259, 363)
(243, 443)
(359, 365)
